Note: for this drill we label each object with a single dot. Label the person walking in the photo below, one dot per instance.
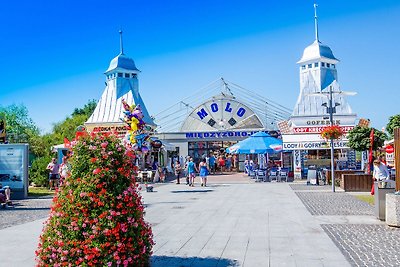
(211, 163)
(221, 163)
(192, 169)
(203, 172)
(54, 168)
(64, 170)
(187, 160)
(178, 170)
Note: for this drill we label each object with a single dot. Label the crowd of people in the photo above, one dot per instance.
(211, 164)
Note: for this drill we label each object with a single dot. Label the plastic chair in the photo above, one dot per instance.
(283, 175)
(261, 174)
(273, 175)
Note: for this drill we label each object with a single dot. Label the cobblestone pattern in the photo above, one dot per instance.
(329, 203)
(298, 187)
(366, 245)
(24, 211)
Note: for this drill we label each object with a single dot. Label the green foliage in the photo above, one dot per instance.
(359, 138)
(97, 214)
(19, 126)
(394, 122)
(38, 174)
(67, 128)
(86, 110)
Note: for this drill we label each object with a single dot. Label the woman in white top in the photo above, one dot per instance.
(381, 172)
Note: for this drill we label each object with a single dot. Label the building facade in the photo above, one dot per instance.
(301, 133)
(121, 83)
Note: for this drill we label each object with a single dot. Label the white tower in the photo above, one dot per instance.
(122, 83)
(318, 72)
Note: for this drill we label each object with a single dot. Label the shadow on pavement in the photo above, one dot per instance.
(192, 191)
(176, 261)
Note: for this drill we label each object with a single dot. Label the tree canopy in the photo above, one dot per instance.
(19, 126)
(394, 122)
(359, 138)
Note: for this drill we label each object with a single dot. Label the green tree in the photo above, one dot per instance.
(19, 126)
(359, 138)
(394, 122)
(41, 146)
(67, 128)
(87, 109)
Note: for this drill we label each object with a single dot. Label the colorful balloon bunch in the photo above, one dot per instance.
(137, 133)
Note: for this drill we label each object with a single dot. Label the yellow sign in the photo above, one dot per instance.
(119, 128)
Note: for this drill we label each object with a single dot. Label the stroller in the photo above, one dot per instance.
(5, 201)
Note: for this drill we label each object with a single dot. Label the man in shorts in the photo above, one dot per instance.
(54, 168)
(191, 168)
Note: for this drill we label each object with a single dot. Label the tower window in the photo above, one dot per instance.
(309, 66)
(126, 75)
(333, 65)
(119, 74)
(316, 64)
(328, 65)
(322, 64)
(303, 67)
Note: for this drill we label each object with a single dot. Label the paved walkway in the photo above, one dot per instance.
(232, 222)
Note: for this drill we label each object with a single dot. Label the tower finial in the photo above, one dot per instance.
(121, 45)
(316, 22)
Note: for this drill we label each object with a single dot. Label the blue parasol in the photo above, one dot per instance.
(258, 143)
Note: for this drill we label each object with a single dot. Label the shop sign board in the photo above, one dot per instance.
(314, 130)
(225, 134)
(297, 164)
(119, 128)
(390, 158)
(311, 145)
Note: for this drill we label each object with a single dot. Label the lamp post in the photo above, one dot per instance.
(331, 109)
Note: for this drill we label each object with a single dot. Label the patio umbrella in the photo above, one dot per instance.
(258, 143)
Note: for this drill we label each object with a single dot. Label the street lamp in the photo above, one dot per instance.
(331, 109)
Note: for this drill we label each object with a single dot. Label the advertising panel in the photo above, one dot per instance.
(14, 166)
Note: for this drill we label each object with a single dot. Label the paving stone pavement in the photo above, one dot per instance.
(237, 223)
(367, 245)
(26, 210)
(301, 186)
(371, 243)
(330, 203)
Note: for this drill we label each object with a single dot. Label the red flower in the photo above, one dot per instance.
(93, 160)
(332, 132)
(96, 171)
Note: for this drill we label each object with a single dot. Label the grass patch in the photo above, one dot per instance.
(40, 192)
(366, 198)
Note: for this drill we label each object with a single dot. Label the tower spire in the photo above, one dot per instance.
(121, 45)
(316, 22)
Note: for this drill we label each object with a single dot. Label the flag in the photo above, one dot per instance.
(371, 140)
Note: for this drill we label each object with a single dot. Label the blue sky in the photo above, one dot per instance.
(54, 53)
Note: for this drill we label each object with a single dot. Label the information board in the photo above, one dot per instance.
(14, 166)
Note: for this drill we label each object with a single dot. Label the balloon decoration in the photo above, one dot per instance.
(137, 133)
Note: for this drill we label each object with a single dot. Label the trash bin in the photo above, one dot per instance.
(380, 199)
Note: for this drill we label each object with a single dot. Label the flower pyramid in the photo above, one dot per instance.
(97, 215)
